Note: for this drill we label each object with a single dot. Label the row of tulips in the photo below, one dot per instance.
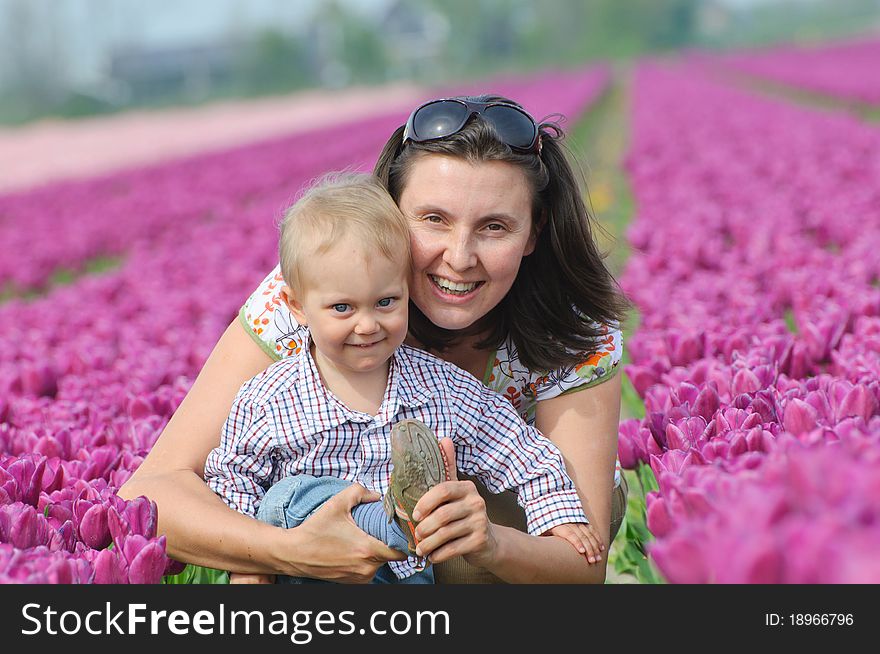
(91, 372)
(758, 355)
(115, 214)
(847, 71)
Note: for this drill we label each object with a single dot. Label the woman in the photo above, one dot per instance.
(507, 283)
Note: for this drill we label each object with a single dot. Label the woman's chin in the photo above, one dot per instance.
(452, 319)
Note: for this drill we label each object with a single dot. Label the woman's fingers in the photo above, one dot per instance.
(448, 491)
(339, 550)
(458, 538)
(338, 510)
(354, 495)
(442, 515)
(243, 578)
(454, 521)
(451, 549)
(443, 533)
(447, 448)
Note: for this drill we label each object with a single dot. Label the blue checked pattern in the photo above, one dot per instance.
(284, 422)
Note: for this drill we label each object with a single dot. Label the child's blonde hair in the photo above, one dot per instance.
(339, 205)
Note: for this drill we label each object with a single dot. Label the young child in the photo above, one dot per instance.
(310, 425)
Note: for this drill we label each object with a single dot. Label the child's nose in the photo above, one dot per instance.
(366, 325)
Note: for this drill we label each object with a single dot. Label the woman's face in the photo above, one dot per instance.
(471, 226)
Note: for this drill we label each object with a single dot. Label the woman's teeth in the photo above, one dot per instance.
(454, 288)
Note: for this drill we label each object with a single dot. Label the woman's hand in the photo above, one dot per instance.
(453, 520)
(331, 546)
(243, 578)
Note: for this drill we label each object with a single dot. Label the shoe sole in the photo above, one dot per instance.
(415, 438)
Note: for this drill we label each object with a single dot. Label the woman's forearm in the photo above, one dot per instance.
(524, 559)
(201, 529)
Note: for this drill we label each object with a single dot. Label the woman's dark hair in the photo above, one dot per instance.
(563, 287)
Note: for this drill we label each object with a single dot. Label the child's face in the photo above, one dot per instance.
(355, 305)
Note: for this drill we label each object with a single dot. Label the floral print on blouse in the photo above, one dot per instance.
(272, 326)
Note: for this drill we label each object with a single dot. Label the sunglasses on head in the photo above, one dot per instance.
(441, 118)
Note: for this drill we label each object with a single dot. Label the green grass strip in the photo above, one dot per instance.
(866, 112)
(62, 277)
(600, 140)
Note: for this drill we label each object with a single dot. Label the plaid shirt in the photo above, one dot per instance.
(285, 422)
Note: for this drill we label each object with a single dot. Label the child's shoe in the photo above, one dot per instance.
(418, 465)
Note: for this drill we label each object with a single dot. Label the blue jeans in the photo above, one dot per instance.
(293, 499)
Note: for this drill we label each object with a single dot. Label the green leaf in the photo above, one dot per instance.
(790, 321)
(633, 404)
(648, 573)
(646, 478)
(196, 574)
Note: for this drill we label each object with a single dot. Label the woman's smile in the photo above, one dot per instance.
(456, 289)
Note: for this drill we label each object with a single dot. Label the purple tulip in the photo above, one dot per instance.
(745, 381)
(658, 518)
(860, 402)
(675, 438)
(641, 378)
(799, 417)
(148, 565)
(626, 446)
(109, 569)
(141, 516)
(93, 527)
(680, 561)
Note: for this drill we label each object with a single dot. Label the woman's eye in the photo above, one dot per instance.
(385, 302)
(433, 219)
(495, 227)
(340, 308)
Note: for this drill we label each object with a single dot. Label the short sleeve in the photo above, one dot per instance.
(595, 367)
(268, 320)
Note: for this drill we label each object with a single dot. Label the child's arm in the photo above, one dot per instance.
(583, 537)
(505, 453)
(240, 468)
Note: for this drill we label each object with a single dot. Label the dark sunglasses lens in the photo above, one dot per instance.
(439, 119)
(513, 127)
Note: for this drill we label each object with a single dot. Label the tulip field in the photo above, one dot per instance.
(756, 359)
(91, 371)
(755, 270)
(845, 71)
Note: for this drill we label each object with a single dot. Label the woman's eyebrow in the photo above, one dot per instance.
(428, 208)
(424, 208)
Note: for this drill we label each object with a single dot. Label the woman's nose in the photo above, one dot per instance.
(459, 253)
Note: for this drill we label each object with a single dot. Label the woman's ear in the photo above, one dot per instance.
(294, 305)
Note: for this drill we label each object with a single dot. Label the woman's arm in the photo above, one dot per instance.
(583, 425)
(200, 527)
(456, 524)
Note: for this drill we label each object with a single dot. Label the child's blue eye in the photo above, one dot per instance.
(385, 302)
(340, 308)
